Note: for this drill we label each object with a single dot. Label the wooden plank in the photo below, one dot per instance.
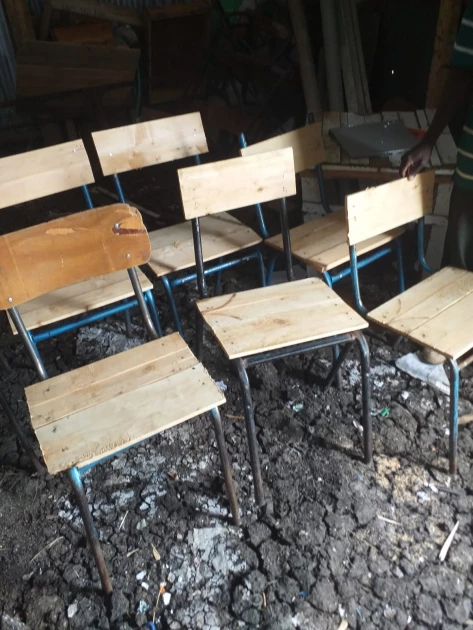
(91, 434)
(69, 250)
(237, 183)
(352, 120)
(172, 248)
(332, 148)
(79, 298)
(20, 20)
(97, 382)
(424, 125)
(447, 26)
(386, 207)
(43, 172)
(306, 143)
(154, 142)
(98, 33)
(102, 10)
(273, 317)
(53, 67)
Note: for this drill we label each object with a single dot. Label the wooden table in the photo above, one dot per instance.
(340, 166)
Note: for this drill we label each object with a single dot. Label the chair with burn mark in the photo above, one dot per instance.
(172, 260)
(268, 323)
(322, 243)
(85, 416)
(37, 174)
(436, 313)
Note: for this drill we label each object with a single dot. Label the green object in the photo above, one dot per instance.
(230, 5)
(385, 412)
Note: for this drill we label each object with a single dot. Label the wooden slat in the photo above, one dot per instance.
(118, 402)
(155, 142)
(53, 67)
(437, 313)
(278, 316)
(36, 174)
(20, 20)
(306, 143)
(386, 207)
(237, 183)
(105, 11)
(322, 243)
(172, 248)
(79, 298)
(332, 148)
(98, 33)
(92, 384)
(52, 255)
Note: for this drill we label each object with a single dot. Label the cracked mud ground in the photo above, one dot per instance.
(322, 550)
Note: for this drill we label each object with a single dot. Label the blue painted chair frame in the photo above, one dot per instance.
(162, 141)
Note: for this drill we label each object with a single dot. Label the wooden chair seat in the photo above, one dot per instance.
(322, 243)
(274, 317)
(78, 298)
(172, 248)
(85, 415)
(436, 313)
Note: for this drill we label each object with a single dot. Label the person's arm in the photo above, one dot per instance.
(455, 95)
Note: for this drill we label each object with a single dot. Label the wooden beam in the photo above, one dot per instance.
(92, 8)
(21, 22)
(447, 27)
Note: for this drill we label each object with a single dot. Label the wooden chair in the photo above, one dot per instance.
(267, 323)
(135, 146)
(322, 242)
(434, 313)
(86, 416)
(36, 174)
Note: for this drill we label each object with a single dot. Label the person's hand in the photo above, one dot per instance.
(415, 160)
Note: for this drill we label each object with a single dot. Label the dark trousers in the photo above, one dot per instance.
(458, 250)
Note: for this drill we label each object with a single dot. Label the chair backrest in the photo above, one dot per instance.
(306, 142)
(45, 257)
(155, 142)
(43, 172)
(237, 183)
(377, 210)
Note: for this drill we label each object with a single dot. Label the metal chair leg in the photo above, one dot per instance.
(21, 436)
(128, 330)
(92, 534)
(250, 431)
(218, 280)
(454, 396)
(271, 265)
(172, 303)
(337, 364)
(199, 335)
(226, 468)
(153, 310)
(366, 395)
(337, 375)
(400, 265)
(262, 268)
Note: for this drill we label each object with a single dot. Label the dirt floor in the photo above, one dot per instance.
(337, 540)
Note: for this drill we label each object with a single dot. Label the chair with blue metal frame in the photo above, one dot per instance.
(37, 174)
(436, 313)
(155, 142)
(267, 323)
(85, 416)
(322, 243)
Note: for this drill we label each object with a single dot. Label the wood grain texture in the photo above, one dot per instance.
(20, 20)
(172, 248)
(306, 143)
(54, 67)
(43, 172)
(147, 143)
(383, 208)
(237, 183)
(78, 298)
(278, 316)
(94, 411)
(69, 250)
(437, 312)
(322, 243)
